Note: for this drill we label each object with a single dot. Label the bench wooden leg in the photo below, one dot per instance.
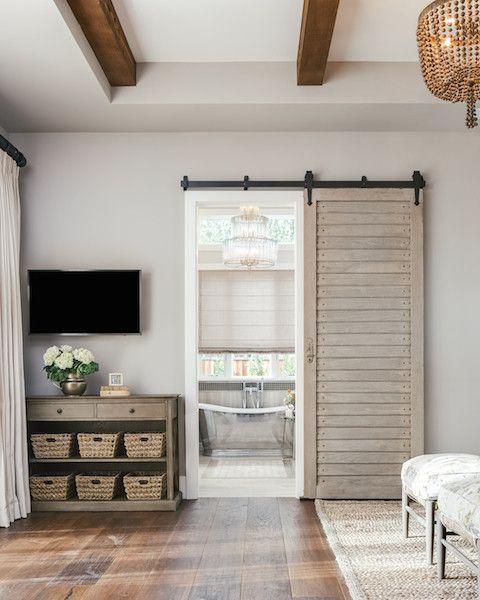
(441, 550)
(405, 514)
(478, 572)
(429, 529)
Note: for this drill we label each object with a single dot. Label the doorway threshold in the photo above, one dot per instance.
(241, 477)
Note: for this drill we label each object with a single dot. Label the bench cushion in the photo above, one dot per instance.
(423, 475)
(459, 501)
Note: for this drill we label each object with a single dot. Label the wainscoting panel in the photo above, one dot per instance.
(364, 338)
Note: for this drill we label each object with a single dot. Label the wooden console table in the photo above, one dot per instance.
(61, 414)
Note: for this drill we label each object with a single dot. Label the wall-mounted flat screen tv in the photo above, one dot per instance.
(80, 302)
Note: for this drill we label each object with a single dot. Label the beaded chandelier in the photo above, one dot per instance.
(249, 247)
(448, 36)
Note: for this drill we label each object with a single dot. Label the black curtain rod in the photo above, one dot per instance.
(309, 183)
(12, 151)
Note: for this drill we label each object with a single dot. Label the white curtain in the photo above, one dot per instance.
(246, 311)
(14, 496)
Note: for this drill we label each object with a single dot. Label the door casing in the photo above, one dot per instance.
(193, 201)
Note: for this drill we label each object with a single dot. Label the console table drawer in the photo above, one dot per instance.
(130, 410)
(47, 411)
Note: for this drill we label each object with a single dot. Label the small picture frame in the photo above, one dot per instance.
(115, 379)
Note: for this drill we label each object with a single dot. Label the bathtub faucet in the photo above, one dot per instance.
(253, 391)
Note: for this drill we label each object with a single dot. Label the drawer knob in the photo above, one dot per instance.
(59, 411)
(131, 411)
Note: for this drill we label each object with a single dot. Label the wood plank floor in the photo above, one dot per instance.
(211, 549)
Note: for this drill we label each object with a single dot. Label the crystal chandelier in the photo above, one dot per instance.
(249, 247)
(448, 36)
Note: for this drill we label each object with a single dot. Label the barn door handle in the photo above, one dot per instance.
(310, 350)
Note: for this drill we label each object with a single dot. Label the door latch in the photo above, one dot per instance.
(309, 351)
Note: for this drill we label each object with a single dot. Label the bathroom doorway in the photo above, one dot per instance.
(242, 388)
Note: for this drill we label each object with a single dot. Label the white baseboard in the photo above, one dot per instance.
(182, 484)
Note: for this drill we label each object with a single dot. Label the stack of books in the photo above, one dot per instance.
(114, 390)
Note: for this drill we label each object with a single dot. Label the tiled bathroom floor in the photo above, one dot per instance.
(246, 477)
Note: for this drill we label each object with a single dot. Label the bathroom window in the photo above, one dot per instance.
(251, 365)
(286, 365)
(212, 365)
(215, 230)
(282, 228)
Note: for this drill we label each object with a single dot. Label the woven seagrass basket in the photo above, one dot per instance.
(98, 486)
(145, 445)
(52, 445)
(98, 445)
(52, 487)
(145, 486)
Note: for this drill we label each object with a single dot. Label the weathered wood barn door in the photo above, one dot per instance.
(363, 341)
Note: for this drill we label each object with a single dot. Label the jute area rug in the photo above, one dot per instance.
(378, 564)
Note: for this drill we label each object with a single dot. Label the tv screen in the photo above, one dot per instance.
(74, 302)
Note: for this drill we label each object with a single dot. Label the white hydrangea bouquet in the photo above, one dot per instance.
(62, 361)
(289, 402)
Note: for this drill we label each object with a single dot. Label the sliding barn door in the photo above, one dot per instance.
(363, 341)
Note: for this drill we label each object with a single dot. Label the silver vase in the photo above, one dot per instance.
(73, 385)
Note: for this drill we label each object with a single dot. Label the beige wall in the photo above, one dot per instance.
(114, 200)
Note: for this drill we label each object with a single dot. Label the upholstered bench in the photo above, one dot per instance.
(459, 513)
(422, 478)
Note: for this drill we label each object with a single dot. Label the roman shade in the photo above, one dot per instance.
(246, 311)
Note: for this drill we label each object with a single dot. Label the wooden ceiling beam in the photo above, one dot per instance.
(318, 22)
(101, 26)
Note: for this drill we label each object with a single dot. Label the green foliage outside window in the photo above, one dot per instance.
(218, 367)
(257, 366)
(216, 231)
(282, 229)
(287, 368)
(213, 365)
(247, 365)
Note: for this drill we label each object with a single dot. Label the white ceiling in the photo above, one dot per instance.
(41, 66)
(376, 30)
(264, 30)
(47, 84)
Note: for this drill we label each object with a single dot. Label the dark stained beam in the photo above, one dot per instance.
(100, 24)
(318, 22)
